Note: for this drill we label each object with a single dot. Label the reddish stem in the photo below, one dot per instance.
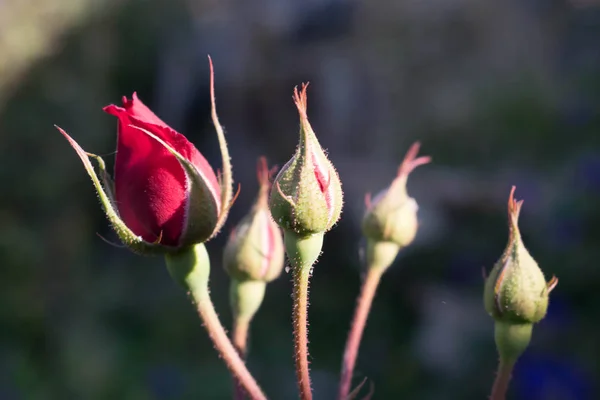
(502, 380)
(363, 306)
(225, 348)
(239, 338)
(301, 278)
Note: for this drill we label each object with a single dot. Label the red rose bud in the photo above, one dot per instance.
(306, 197)
(165, 195)
(254, 250)
(516, 292)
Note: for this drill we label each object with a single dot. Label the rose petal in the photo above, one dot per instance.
(136, 108)
(183, 146)
(150, 187)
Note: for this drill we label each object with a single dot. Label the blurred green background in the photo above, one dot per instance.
(499, 93)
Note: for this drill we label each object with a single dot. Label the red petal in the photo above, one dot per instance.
(135, 108)
(150, 184)
(150, 188)
(187, 150)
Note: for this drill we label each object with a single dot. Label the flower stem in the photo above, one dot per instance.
(240, 342)
(240, 336)
(229, 354)
(502, 380)
(301, 278)
(363, 306)
(302, 251)
(191, 269)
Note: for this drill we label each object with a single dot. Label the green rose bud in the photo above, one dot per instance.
(390, 222)
(516, 292)
(392, 215)
(255, 250)
(306, 197)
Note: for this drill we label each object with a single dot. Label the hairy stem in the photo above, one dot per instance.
(502, 380)
(361, 313)
(228, 353)
(302, 251)
(240, 342)
(191, 269)
(301, 278)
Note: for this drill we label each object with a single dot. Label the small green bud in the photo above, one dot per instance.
(516, 291)
(306, 197)
(255, 250)
(392, 215)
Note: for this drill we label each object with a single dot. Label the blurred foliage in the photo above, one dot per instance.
(499, 94)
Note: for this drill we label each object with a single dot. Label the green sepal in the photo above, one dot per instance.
(225, 179)
(129, 239)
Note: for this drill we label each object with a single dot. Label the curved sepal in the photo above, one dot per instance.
(129, 239)
(226, 177)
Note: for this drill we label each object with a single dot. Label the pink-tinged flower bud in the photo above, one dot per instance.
(255, 250)
(392, 215)
(306, 197)
(516, 290)
(165, 195)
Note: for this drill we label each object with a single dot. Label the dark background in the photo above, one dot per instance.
(499, 93)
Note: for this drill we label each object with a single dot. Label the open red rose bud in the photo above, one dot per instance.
(306, 197)
(254, 250)
(165, 195)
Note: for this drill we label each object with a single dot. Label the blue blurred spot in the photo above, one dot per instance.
(8, 393)
(559, 315)
(580, 114)
(542, 377)
(166, 381)
(566, 232)
(465, 268)
(588, 172)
